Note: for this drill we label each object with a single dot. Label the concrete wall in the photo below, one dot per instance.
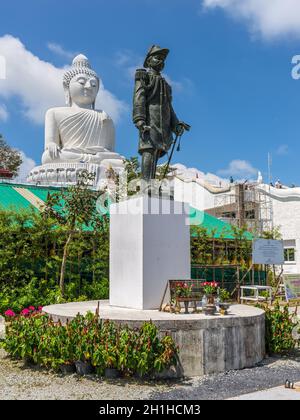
(213, 346)
(286, 213)
(193, 193)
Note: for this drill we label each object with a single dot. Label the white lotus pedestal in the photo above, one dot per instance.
(149, 245)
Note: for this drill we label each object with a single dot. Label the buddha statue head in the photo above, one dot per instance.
(81, 84)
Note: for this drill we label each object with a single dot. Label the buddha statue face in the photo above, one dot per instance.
(83, 90)
(81, 83)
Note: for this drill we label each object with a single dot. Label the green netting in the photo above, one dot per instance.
(227, 276)
(11, 198)
(212, 224)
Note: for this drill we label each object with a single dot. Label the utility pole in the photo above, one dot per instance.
(269, 169)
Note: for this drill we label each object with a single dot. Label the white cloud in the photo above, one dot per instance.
(240, 169)
(269, 18)
(59, 50)
(38, 84)
(185, 85)
(110, 104)
(25, 168)
(282, 150)
(129, 62)
(3, 113)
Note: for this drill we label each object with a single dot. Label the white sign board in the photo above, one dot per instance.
(267, 251)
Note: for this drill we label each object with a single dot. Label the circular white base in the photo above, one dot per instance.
(68, 173)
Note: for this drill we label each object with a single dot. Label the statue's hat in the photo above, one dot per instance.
(156, 49)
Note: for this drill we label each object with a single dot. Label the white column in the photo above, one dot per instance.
(149, 245)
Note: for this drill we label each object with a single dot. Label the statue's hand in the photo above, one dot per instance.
(181, 127)
(53, 150)
(141, 125)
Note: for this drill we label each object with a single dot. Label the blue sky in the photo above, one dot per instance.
(230, 69)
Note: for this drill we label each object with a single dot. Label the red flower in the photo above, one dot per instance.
(9, 313)
(25, 312)
(31, 308)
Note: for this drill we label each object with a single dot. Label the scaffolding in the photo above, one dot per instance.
(245, 205)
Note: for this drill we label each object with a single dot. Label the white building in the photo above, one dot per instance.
(278, 207)
(286, 215)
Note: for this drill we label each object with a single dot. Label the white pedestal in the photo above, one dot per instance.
(149, 245)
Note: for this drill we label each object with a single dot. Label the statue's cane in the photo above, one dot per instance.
(187, 128)
(170, 157)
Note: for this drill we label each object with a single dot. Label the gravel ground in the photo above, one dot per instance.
(269, 373)
(20, 382)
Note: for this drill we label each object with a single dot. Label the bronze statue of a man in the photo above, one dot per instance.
(153, 112)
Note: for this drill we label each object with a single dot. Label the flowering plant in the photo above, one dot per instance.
(31, 310)
(9, 314)
(183, 289)
(210, 288)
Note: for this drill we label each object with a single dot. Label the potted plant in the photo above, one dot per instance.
(224, 296)
(110, 336)
(183, 290)
(83, 347)
(67, 365)
(183, 293)
(83, 367)
(210, 289)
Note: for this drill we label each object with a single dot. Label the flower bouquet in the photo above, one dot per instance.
(182, 289)
(210, 288)
(183, 293)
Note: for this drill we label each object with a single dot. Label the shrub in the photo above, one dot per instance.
(279, 328)
(31, 248)
(104, 344)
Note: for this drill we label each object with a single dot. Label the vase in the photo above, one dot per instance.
(186, 306)
(210, 299)
(111, 373)
(83, 368)
(209, 309)
(67, 369)
(223, 307)
(186, 301)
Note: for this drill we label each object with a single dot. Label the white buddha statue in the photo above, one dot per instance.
(77, 136)
(78, 132)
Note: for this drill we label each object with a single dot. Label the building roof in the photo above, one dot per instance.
(214, 226)
(11, 197)
(20, 197)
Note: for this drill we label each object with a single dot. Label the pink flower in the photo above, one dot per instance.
(9, 313)
(31, 308)
(25, 312)
(40, 308)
